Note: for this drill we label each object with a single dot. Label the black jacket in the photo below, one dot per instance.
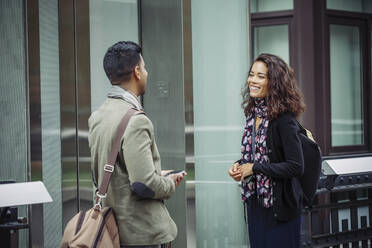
(285, 167)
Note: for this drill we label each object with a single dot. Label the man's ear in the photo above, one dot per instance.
(137, 73)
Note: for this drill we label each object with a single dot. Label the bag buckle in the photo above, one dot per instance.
(108, 168)
(100, 197)
(98, 205)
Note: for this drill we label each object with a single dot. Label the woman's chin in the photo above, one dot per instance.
(255, 95)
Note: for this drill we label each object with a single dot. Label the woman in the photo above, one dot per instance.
(272, 159)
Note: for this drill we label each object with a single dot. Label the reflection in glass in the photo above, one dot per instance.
(271, 39)
(346, 82)
(220, 67)
(270, 5)
(350, 5)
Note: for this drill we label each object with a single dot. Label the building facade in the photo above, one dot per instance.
(198, 54)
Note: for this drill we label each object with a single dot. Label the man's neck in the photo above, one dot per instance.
(129, 87)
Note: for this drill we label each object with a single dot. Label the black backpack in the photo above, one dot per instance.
(312, 165)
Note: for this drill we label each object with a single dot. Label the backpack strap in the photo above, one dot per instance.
(110, 166)
(305, 131)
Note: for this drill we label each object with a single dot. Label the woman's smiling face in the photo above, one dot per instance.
(258, 80)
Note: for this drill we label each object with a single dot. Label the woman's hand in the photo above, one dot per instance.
(234, 172)
(245, 170)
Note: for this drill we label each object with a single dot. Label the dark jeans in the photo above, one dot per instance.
(266, 232)
(147, 246)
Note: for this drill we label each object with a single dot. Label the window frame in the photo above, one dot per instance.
(323, 19)
(360, 23)
(274, 18)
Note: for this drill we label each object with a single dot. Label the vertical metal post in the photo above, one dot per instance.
(36, 218)
(68, 94)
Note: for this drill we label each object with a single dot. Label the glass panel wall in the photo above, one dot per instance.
(270, 5)
(165, 36)
(13, 103)
(346, 86)
(13, 106)
(50, 120)
(110, 22)
(350, 5)
(271, 39)
(220, 68)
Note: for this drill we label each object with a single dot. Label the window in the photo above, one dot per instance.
(270, 5)
(348, 80)
(272, 30)
(346, 86)
(271, 39)
(350, 5)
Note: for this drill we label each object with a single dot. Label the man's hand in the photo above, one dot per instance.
(234, 172)
(165, 172)
(245, 170)
(177, 178)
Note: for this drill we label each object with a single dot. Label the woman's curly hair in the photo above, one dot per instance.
(283, 92)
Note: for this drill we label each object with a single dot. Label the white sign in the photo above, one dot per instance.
(17, 194)
(350, 165)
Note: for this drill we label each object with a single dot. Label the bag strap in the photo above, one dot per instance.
(305, 131)
(110, 166)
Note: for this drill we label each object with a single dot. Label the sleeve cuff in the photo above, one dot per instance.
(238, 161)
(172, 183)
(256, 167)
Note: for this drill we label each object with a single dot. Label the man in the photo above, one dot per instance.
(138, 186)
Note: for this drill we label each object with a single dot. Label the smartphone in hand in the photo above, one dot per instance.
(180, 172)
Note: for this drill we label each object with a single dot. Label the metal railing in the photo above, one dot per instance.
(340, 217)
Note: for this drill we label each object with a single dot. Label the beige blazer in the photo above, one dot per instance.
(142, 220)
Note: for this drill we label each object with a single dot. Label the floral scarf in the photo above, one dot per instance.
(259, 184)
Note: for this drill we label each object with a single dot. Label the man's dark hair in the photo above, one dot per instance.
(120, 61)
